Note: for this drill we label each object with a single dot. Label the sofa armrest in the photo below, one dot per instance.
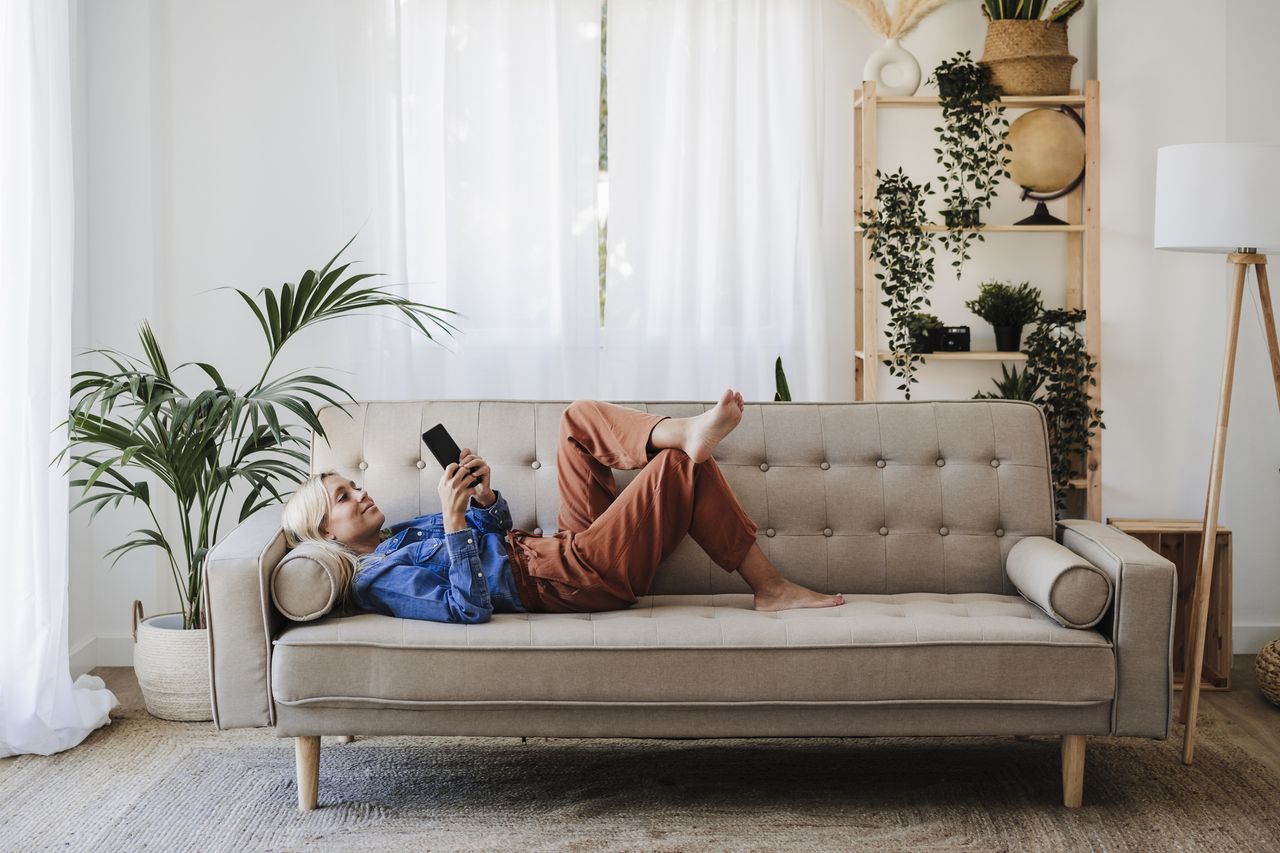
(242, 620)
(1140, 623)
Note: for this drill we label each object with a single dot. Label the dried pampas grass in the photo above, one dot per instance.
(906, 16)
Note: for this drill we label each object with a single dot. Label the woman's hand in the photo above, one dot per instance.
(479, 468)
(455, 492)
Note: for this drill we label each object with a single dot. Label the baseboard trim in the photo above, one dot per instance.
(84, 657)
(1248, 638)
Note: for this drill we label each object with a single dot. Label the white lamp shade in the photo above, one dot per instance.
(1218, 197)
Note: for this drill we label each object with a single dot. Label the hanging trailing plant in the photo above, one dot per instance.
(973, 137)
(1056, 353)
(903, 252)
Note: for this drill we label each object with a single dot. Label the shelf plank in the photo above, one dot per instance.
(1012, 102)
(976, 355)
(1004, 229)
(1078, 483)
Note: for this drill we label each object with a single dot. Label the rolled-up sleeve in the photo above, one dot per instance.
(495, 518)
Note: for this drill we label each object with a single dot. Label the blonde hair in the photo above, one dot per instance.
(303, 515)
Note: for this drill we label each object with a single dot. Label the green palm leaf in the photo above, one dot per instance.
(131, 416)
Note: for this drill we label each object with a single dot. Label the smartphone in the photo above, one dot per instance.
(444, 448)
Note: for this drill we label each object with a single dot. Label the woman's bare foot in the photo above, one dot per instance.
(706, 430)
(785, 595)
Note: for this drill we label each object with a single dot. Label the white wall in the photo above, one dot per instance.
(207, 157)
(1211, 76)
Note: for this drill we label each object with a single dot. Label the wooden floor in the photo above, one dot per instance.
(1254, 722)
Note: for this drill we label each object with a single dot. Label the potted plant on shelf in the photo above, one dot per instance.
(1013, 386)
(974, 138)
(1027, 55)
(903, 253)
(133, 424)
(1007, 308)
(923, 331)
(1056, 353)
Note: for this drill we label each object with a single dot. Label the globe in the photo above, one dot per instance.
(1048, 150)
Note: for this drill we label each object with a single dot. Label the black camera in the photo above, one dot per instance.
(953, 339)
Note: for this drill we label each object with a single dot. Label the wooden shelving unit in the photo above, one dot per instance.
(1081, 261)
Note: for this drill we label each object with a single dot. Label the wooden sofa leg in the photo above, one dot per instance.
(307, 753)
(1072, 770)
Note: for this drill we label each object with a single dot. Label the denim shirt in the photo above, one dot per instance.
(421, 572)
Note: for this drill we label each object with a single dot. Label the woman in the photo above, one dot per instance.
(466, 562)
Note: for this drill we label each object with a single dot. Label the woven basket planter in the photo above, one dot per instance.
(172, 666)
(1028, 57)
(1266, 666)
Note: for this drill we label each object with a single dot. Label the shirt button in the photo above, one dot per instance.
(421, 464)
(470, 541)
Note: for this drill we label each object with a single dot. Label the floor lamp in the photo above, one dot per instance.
(1221, 198)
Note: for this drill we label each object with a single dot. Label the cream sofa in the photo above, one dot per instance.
(935, 519)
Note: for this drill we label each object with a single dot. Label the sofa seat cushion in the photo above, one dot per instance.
(913, 648)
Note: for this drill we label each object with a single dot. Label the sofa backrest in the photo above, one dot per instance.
(874, 497)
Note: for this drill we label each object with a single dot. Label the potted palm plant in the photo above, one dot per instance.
(133, 424)
(1007, 308)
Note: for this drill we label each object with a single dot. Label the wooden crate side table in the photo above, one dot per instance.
(1178, 540)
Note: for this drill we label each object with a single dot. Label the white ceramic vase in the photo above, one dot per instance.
(893, 54)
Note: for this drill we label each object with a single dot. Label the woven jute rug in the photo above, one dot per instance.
(147, 784)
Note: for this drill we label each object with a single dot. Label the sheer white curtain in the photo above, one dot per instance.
(715, 170)
(486, 116)
(41, 711)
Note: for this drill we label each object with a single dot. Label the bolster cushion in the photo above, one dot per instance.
(307, 583)
(1071, 590)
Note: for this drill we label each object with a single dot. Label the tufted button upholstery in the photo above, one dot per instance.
(826, 531)
(538, 531)
(769, 531)
(421, 464)
(536, 464)
(764, 466)
(944, 531)
(995, 463)
(363, 465)
(825, 465)
(999, 531)
(884, 531)
(941, 462)
(879, 463)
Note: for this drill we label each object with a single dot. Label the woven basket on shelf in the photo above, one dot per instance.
(172, 665)
(1266, 666)
(1028, 57)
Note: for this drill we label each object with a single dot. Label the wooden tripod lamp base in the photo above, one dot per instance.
(1204, 574)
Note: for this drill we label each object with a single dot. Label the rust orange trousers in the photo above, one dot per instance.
(609, 545)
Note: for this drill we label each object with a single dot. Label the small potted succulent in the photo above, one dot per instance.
(1007, 308)
(924, 331)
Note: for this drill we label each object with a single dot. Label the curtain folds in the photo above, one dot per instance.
(715, 175)
(41, 711)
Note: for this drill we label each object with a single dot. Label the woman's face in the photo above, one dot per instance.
(353, 516)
